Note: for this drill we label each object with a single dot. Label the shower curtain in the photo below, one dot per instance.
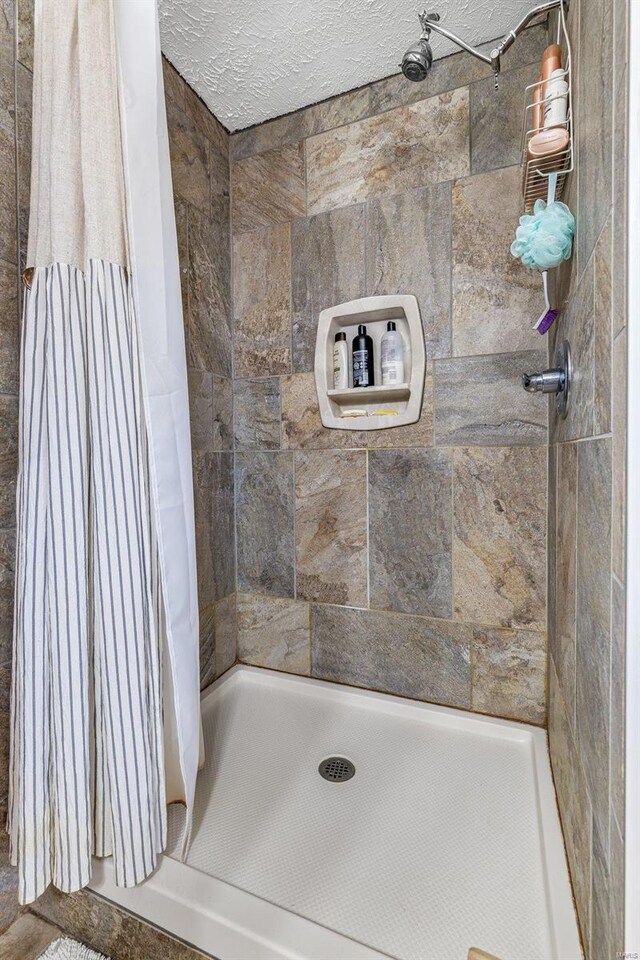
(105, 703)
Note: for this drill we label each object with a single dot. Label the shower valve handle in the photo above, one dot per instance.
(548, 381)
(555, 380)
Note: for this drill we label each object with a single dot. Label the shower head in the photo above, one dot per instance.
(417, 61)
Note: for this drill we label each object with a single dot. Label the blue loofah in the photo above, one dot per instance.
(544, 239)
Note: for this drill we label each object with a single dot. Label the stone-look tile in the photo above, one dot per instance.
(495, 298)
(201, 408)
(268, 189)
(8, 460)
(617, 704)
(337, 111)
(24, 94)
(573, 801)
(408, 656)
(617, 888)
(618, 548)
(207, 645)
(9, 330)
(327, 266)
(174, 85)
(189, 152)
(182, 232)
(289, 129)
(410, 531)
(256, 414)
(207, 124)
(27, 938)
(226, 634)
(495, 118)
(5, 729)
(593, 625)
(509, 674)
(456, 70)
(213, 499)
(262, 281)
(593, 133)
(331, 526)
(8, 236)
(265, 523)
(218, 152)
(620, 176)
(480, 400)
(274, 633)
(105, 928)
(599, 937)
(552, 517)
(218, 639)
(562, 639)
(499, 545)
(9, 906)
(7, 65)
(576, 325)
(409, 251)
(602, 326)
(24, 29)
(222, 413)
(7, 567)
(209, 329)
(389, 153)
(301, 424)
(418, 434)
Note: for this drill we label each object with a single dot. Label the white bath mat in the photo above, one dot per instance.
(66, 949)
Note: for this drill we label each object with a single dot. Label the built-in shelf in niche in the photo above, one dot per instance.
(404, 398)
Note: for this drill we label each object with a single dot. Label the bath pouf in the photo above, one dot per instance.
(545, 238)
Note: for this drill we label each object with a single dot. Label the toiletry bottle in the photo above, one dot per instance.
(362, 358)
(340, 362)
(392, 356)
(555, 100)
(537, 106)
(551, 61)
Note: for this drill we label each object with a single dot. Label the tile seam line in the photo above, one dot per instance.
(377, 196)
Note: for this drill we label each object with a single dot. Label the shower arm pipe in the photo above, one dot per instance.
(493, 59)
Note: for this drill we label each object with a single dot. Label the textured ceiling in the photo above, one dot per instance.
(252, 61)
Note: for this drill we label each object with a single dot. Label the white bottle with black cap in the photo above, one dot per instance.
(392, 356)
(340, 362)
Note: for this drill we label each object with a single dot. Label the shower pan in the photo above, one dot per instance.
(431, 831)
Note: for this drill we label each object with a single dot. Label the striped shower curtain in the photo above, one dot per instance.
(94, 739)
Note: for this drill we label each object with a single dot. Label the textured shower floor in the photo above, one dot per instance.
(436, 844)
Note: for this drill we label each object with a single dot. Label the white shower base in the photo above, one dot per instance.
(447, 836)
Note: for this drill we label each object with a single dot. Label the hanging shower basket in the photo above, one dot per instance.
(537, 171)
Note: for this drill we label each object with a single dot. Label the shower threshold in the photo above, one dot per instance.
(437, 830)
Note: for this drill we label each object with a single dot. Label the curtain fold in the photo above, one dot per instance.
(94, 582)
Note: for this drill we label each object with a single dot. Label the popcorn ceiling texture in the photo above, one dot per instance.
(251, 61)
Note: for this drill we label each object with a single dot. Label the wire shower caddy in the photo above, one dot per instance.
(543, 178)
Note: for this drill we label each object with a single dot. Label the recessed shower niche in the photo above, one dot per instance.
(380, 406)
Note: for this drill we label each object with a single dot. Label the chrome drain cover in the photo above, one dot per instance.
(336, 769)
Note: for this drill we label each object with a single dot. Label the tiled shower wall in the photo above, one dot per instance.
(409, 560)
(587, 497)
(199, 148)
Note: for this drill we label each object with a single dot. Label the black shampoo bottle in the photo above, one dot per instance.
(362, 358)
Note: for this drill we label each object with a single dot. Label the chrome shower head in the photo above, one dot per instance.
(417, 61)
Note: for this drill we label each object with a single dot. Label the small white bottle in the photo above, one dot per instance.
(392, 356)
(555, 100)
(340, 362)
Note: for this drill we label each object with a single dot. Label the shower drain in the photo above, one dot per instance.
(336, 769)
